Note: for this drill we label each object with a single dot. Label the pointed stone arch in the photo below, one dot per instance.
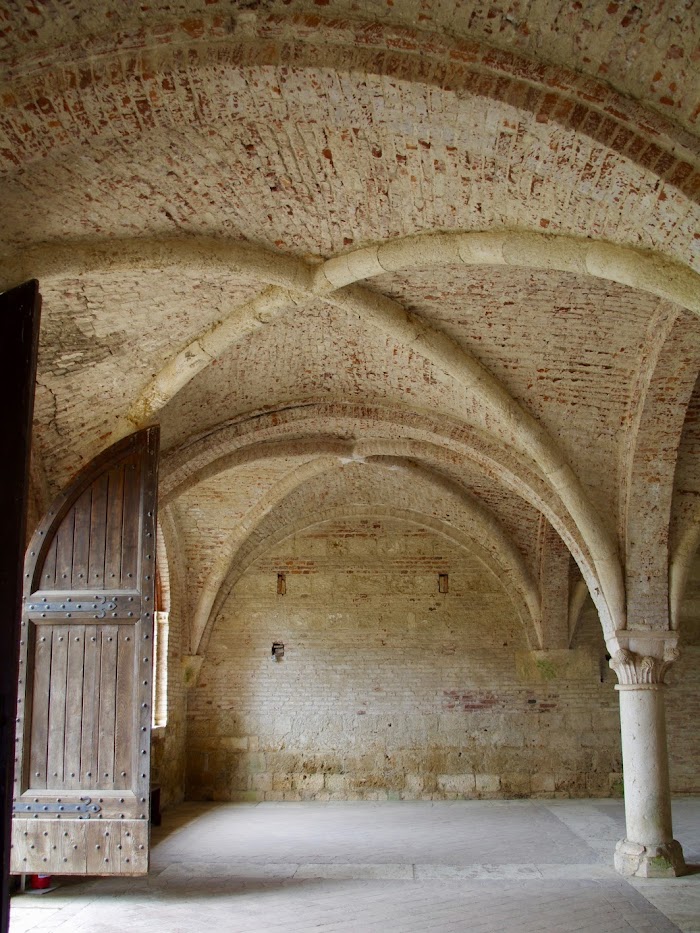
(486, 528)
(522, 605)
(669, 371)
(334, 281)
(426, 442)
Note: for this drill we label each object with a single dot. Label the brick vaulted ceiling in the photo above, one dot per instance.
(435, 256)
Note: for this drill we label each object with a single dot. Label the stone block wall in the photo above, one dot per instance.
(389, 688)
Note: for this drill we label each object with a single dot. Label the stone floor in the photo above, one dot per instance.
(405, 867)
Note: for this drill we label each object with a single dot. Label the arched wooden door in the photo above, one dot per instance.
(81, 802)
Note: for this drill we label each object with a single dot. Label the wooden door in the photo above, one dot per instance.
(19, 338)
(81, 803)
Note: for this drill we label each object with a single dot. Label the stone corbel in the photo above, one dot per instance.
(643, 658)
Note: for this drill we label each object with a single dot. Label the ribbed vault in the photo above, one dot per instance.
(352, 258)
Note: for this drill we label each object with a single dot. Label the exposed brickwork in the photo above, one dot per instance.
(557, 34)
(682, 712)
(92, 358)
(332, 159)
(382, 489)
(387, 687)
(363, 420)
(682, 693)
(554, 572)
(211, 512)
(573, 362)
(687, 479)
(663, 404)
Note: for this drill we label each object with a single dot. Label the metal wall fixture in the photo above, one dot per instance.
(277, 651)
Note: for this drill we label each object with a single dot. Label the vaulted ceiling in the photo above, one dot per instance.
(415, 255)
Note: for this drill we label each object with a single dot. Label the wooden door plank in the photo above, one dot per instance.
(37, 848)
(90, 719)
(125, 721)
(57, 706)
(98, 846)
(108, 706)
(81, 541)
(134, 847)
(135, 838)
(98, 533)
(18, 849)
(94, 847)
(113, 531)
(64, 552)
(74, 705)
(131, 525)
(48, 573)
(127, 849)
(39, 735)
(68, 842)
(31, 844)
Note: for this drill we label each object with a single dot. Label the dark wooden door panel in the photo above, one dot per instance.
(86, 656)
(19, 337)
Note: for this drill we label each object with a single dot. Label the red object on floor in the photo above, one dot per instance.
(37, 882)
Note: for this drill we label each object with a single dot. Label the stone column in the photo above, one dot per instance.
(648, 849)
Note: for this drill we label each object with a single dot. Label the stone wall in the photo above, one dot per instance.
(389, 688)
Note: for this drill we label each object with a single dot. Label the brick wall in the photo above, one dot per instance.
(683, 698)
(389, 688)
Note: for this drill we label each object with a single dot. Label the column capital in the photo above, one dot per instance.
(635, 669)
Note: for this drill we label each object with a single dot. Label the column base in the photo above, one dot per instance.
(632, 859)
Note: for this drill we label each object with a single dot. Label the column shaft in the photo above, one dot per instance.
(649, 849)
(645, 764)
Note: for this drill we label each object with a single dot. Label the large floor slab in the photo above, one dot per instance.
(477, 866)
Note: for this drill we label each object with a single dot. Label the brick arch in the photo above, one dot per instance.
(335, 281)
(340, 427)
(291, 282)
(391, 318)
(217, 574)
(482, 528)
(295, 432)
(669, 369)
(550, 92)
(347, 431)
(685, 522)
(681, 561)
(538, 180)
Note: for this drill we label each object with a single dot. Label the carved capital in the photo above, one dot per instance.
(636, 669)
